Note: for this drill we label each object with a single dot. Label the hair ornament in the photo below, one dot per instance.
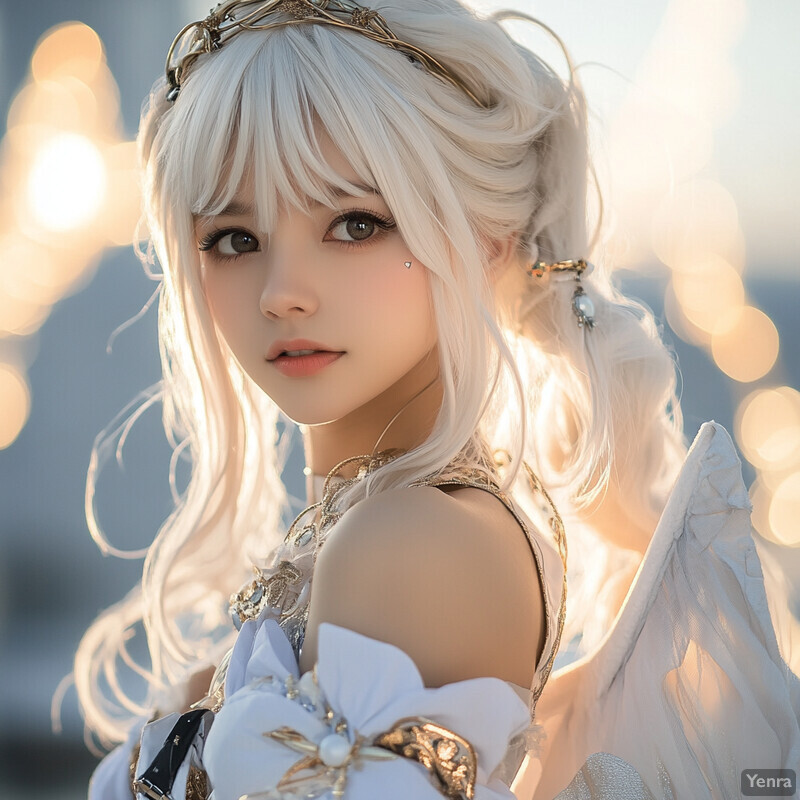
(224, 22)
(582, 304)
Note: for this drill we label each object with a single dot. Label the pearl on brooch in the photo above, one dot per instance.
(334, 750)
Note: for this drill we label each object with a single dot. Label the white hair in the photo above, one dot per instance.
(584, 407)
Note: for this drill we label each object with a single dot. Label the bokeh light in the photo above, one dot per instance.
(662, 139)
(708, 292)
(668, 204)
(67, 183)
(19, 316)
(696, 221)
(70, 49)
(745, 346)
(15, 400)
(784, 511)
(123, 208)
(767, 426)
(761, 497)
(64, 105)
(69, 192)
(31, 271)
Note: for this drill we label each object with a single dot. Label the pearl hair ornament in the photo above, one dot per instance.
(582, 304)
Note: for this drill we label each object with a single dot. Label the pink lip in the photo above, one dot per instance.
(284, 345)
(302, 366)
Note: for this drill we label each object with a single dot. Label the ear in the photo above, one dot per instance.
(502, 255)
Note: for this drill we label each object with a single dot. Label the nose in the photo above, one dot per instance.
(288, 289)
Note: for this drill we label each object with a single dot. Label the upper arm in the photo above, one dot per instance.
(417, 569)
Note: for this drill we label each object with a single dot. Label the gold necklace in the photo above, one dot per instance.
(285, 585)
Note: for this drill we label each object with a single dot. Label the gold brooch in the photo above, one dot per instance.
(449, 758)
(263, 591)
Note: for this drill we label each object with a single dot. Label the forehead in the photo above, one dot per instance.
(334, 157)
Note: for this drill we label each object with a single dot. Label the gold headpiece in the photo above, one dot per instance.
(221, 25)
(582, 305)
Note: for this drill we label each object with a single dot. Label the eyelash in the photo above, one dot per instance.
(384, 225)
(210, 240)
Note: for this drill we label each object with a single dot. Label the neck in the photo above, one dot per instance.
(401, 417)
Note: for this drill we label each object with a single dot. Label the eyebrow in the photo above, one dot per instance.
(238, 209)
(339, 192)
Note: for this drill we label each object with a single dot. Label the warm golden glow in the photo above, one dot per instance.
(768, 428)
(15, 400)
(51, 103)
(745, 347)
(761, 497)
(695, 222)
(784, 511)
(60, 161)
(69, 49)
(707, 292)
(30, 271)
(20, 316)
(679, 322)
(67, 183)
(124, 197)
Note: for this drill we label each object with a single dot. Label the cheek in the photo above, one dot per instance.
(397, 323)
(396, 308)
(216, 297)
(229, 302)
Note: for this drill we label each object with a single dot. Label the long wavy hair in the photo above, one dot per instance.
(589, 409)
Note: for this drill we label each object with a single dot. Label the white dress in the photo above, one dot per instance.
(686, 689)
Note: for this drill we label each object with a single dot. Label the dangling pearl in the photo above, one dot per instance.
(334, 750)
(584, 307)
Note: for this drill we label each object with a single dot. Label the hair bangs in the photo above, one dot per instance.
(285, 110)
(251, 126)
(256, 110)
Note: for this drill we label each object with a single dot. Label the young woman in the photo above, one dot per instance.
(371, 223)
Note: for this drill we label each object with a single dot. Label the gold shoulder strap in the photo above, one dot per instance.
(480, 479)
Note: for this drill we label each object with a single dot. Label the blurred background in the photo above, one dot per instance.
(695, 127)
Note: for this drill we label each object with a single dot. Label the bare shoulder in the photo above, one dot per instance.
(447, 577)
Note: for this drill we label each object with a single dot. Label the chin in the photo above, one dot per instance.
(314, 415)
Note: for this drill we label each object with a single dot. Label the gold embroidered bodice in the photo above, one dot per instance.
(284, 588)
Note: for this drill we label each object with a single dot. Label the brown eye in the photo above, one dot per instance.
(236, 243)
(354, 229)
(359, 227)
(229, 243)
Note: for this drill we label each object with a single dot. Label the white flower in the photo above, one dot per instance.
(366, 684)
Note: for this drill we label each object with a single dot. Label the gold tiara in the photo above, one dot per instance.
(221, 25)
